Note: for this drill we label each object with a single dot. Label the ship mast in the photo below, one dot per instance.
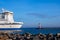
(39, 25)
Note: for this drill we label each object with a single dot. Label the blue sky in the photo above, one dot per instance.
(32, 12)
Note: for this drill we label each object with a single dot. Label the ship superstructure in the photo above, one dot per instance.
(7, 21)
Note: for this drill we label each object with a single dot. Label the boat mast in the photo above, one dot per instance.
(39, 25)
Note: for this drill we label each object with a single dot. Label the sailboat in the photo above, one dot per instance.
(39, 26)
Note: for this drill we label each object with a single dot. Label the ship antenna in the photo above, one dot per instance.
(3, 9)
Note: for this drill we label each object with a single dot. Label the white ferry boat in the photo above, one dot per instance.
(7, 21)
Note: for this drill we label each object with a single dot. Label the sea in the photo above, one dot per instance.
(36, 31)
(43, 31)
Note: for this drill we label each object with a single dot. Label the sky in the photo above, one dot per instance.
(32, 12)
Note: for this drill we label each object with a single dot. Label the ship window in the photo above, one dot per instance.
(3, 17)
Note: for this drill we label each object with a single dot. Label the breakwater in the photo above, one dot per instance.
(29, 36)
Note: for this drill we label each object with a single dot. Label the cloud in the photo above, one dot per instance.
(37, 15)
(42, 15)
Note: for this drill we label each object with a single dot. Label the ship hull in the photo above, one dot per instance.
(10, 26)
(9, 29)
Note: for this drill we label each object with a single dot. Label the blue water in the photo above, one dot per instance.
(36, 31)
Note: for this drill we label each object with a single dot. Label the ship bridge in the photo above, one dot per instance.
(6, 17)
